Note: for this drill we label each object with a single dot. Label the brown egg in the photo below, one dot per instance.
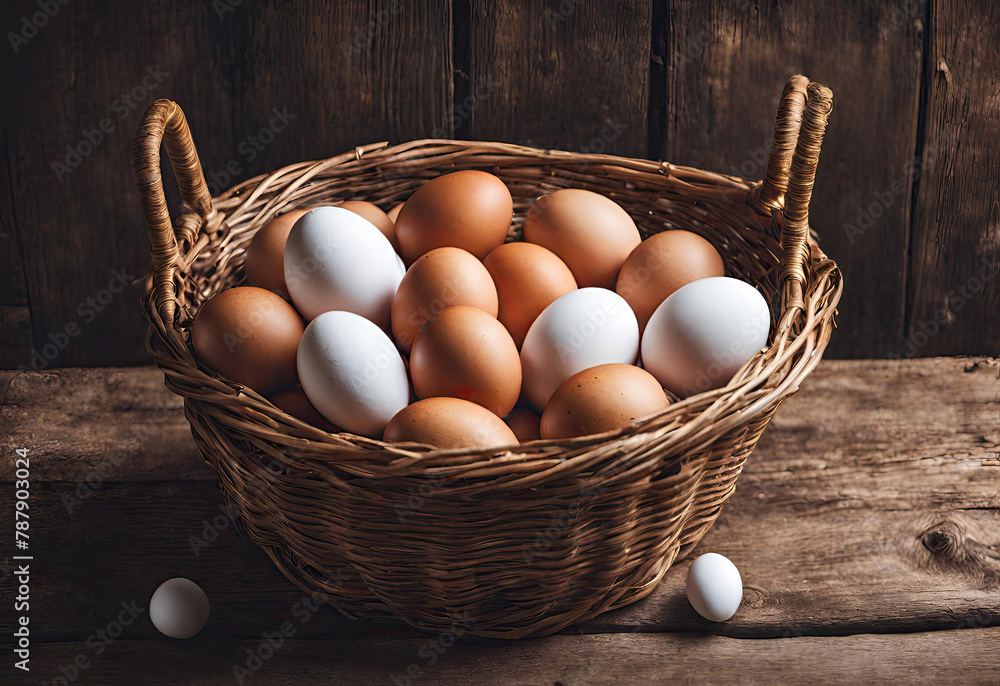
(525, 424)
(528, 278)
(265, 257)
(442, 278)
(602, 398)
(376, 216)
(293, 400)
(448, 423)
(589, 232)
(393, 212)
(467, 209)
(463, 352)
(660, 265)
(251, 336)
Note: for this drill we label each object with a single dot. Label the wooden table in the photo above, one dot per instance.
(866, 527)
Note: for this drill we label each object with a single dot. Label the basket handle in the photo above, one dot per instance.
(164, 122)
(799, 127)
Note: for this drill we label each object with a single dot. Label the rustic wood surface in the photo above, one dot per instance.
(956, 289)
(696, 82)
(871, 506)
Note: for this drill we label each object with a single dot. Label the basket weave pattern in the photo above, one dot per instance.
(511, 543)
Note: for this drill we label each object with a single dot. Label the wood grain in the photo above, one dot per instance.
(15, 316)
(866, 507)
(727, 64)
(955, 289)
(343, 74)
(943, 657)
(568, 75)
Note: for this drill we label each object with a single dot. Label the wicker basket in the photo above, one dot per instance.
(504, 543)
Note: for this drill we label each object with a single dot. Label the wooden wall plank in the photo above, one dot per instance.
(345, 74)
(569, 75)
(728, 64)
(955, 289)
(15, 314)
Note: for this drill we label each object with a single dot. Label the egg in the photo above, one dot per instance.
(249, 335)
(592, 234)
(393, 212)
(524, 423)
(660, 265)
(337, 260)
(379, 219)
(602, 398)
(466, 209)
(528, 279)
(293, 400)
(438, 279)
(700, 336)
(179, 608)
(714, 587)
(579, 330)
(264, 262)
(449, 423)
(463, 352)
(352, 373)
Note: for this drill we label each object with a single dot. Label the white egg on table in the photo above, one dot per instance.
(581, 329)
(337, 260)
(351, 372)
(701, 335)
(178, 608)
(714, 587)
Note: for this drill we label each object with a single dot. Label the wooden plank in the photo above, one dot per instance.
(559, 74)
(15, 316)
(338, 75)
(727, 65)
(924, 658)
(954, 290)
(864, 508)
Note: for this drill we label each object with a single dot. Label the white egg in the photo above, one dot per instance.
(581, 329)
(700, 336)
(337, 260)
(178, 608)
(714, 587)
(351, 371)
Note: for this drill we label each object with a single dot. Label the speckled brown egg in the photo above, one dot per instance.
(441, 278)
(293, 400)
(463, 352)
(265, 256)
(468, 209)
(249, 335)
(448, 423)
(525, 424)
(660, 265)
(528, 279)
(376, 216)
(602, 398)
(592, 234)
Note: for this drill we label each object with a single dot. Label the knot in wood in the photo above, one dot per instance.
(945, 539)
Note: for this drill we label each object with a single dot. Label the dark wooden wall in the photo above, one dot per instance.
(907, 197)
